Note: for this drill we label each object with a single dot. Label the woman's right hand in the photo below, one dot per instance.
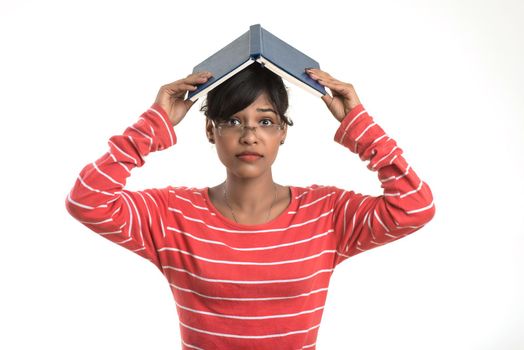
(171, 97)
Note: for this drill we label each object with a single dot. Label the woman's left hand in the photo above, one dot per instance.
(344, 97)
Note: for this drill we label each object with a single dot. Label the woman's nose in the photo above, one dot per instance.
(249, 134)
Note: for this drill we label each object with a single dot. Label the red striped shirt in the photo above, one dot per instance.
(259, 286)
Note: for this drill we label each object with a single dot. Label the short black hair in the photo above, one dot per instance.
(242, 89)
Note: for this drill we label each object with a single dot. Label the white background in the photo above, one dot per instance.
(443, 78)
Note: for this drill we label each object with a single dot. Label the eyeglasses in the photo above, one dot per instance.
(227, 128)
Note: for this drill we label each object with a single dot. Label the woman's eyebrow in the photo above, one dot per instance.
(266, 110)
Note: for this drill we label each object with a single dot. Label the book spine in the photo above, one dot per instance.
(255, 41)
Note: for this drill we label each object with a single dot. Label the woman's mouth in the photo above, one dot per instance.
(249, 156)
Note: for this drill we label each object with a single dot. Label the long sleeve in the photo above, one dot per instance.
(134, 220)
(364, 222)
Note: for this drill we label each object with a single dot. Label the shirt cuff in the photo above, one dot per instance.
(346, 122)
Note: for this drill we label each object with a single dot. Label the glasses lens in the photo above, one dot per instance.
(239, 129)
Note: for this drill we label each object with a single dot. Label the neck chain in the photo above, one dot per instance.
(233, 213)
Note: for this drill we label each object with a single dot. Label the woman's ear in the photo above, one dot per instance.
(210, 130)
(284, 134)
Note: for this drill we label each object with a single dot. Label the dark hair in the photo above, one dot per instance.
(242, 89)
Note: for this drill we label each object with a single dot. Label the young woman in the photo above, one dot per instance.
(249, 260)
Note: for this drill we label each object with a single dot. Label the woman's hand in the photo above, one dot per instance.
(344, 97)
(171, 97)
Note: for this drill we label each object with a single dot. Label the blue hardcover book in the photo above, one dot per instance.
(258, 45)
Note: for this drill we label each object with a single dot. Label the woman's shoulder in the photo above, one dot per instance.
(188, 192)
(194, 195)
(314, 192)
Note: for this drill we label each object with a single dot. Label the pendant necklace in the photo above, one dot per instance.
(233, 213)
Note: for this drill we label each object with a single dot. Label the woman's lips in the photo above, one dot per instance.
(249, 157)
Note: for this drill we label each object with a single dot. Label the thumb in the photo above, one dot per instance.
(327, 99)
(188, 103)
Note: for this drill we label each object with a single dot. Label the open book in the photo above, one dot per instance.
(258, 45)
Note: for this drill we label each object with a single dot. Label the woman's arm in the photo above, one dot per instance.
(365, 222)
(99, 200)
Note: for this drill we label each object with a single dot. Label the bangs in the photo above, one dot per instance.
(238, 95)
(241, 90)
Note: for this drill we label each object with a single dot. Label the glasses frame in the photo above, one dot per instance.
(239, 130)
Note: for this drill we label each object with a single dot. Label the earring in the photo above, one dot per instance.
(211, 140)
(282, 142)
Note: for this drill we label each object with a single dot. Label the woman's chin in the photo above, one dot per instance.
(249, 172)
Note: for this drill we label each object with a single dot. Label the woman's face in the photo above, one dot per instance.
(248, 153)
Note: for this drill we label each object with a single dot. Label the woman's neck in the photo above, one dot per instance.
(249, 195)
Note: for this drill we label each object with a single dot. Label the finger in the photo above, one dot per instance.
(188, 103)
(332, 83)
(191, 79)
(198, 78)
(326, 80)
(178, 87)
(200, 73)
(336, 87)
(328, 100)
(318, 73)
(186, 87)
(195, 80)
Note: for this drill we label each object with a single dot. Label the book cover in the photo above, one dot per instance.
(258, 45)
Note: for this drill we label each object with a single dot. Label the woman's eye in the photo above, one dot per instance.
(232, 122)
(266, 122)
